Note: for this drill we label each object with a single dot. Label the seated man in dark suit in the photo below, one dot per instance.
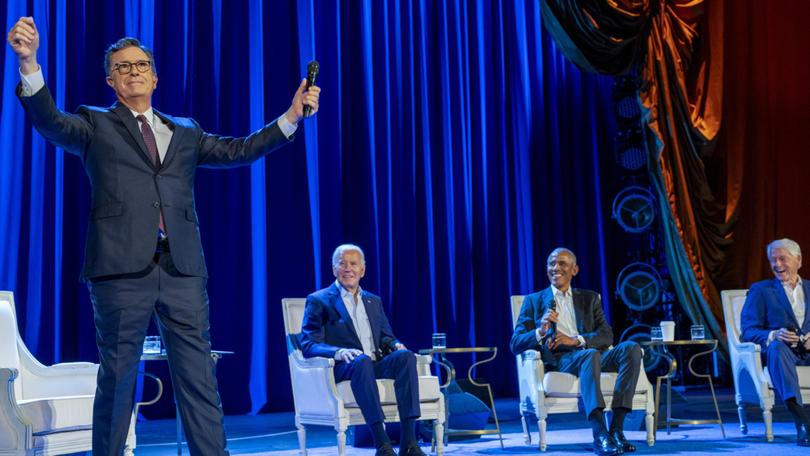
(775, 317)
(348, 324)
(569, 329)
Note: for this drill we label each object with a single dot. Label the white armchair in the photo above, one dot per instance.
(543, 393)
(320, 401)
(44, 410)
(752, 382)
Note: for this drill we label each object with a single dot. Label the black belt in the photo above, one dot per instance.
(162, 245)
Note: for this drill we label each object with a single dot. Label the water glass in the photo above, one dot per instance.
(151, 345)
(656, 334)
(439, 341)
(698, 332)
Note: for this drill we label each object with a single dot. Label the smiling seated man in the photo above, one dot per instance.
(347, 323)
(775, 317)
(568, 327)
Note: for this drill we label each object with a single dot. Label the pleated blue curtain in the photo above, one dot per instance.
(454, 143)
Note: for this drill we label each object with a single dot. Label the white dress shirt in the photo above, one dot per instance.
(357, 312)
(796, 298)
(34, 82)
(566, 316)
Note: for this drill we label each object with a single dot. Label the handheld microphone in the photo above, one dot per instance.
(312, 73)
(552, 328)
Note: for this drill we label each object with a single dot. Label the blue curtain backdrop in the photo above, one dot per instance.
(454, 144)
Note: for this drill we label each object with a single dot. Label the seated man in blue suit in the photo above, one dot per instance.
(568, 327)
(775, 317)
(348, 324)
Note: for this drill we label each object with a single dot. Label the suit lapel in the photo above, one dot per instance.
(177, 137)
(579, 311)
(131, 124)
(806, 289)
(782, 299)
(337, 302)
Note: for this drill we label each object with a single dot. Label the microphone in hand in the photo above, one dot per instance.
(312, 73)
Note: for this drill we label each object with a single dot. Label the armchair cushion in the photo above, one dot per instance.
(804, 377)
(428, 391)
(561, 384)
(58, 414)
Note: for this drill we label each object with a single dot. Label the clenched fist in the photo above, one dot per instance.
(24, 41)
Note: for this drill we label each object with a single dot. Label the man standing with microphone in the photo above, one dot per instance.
(143, 254)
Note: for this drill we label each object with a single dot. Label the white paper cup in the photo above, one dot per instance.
(668, 330)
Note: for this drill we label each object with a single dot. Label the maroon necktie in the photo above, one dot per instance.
(151, 146)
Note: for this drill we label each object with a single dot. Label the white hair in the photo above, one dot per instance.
(347, 248)
(560, 250)
(790, 245)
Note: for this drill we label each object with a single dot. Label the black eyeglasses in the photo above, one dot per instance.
(126, 67)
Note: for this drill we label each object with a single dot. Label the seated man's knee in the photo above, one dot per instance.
(362, 362)
(777, 348)
(404, 357)
(592, 354)
(631, 349)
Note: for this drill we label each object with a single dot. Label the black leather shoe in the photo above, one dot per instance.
(603, 445)
(385, 450)
(411, 450)
(803, 437)
(622, 442)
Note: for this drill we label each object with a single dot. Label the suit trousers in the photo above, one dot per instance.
(122, 306)
(782, 362)
(588, 364)
(363, 374)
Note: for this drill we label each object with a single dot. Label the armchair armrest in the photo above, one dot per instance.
(423, 365)
(313, 384)
(15, 426)
(64, 379)
(748, 347)
(313, 363)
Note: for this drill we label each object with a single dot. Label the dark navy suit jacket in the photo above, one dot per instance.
(591, 322)
(328, 327)
(128, 190)
(767, 308)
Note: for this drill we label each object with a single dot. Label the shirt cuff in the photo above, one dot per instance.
(31, 83)
(771, 337)
(581, 341)
(286, 127)
(537, 335)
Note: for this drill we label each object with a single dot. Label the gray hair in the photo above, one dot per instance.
(560, 250)
(124, 43)
(341, 249)
(788, 244)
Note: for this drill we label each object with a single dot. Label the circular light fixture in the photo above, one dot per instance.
(639, 286)
(634, 209)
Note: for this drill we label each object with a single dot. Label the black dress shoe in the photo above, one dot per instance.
(604, 445)
(803, 437)
(385, 450)
(622, 442)
(411, 450)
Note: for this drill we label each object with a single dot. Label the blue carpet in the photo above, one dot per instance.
(274, 434)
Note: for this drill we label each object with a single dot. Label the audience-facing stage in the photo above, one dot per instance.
(274, 434)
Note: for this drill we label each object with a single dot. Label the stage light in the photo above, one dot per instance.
(634, 209)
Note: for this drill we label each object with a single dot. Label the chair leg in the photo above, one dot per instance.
(743, 420)
(341, 440)
(527, 436)
(541, 427)
(767, 417)
(302, 438)
(438, 432)
(649, 423)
